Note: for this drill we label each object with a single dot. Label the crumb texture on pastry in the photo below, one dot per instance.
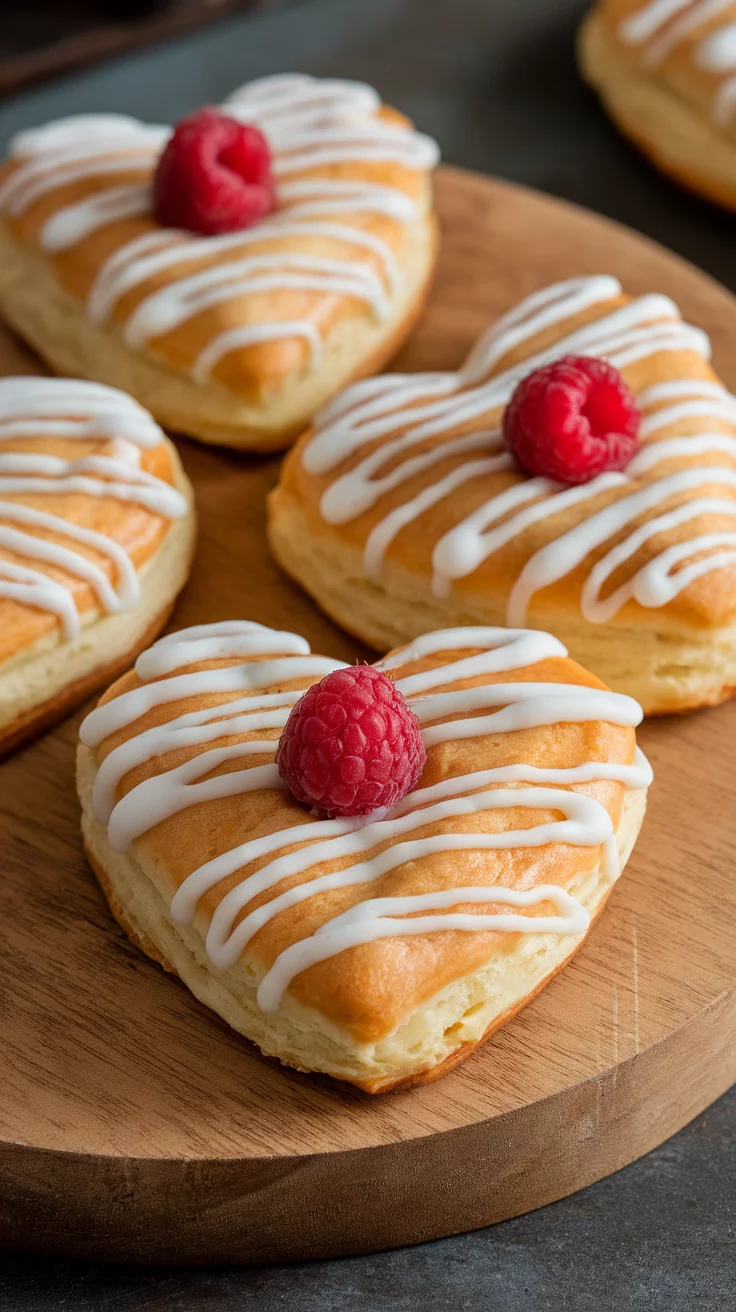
(666, 73)
(381, 949)
(236, 338)
(96, 537)
(402, 510)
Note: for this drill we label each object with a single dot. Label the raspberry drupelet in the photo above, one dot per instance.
(351, 744)
(572, 420)
(214, 176)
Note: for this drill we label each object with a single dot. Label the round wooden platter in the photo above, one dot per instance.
(135, 1126)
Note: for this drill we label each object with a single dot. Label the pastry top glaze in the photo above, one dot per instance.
(690, 45)
(247, 309)
(528, 757)
(411, 471)
(86, 498)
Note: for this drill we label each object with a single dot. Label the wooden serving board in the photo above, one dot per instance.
(135, 1126)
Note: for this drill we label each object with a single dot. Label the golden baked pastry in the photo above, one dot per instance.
(666, 72)
(236, 338)
(96, 538)
(383, 949)
(403, 511)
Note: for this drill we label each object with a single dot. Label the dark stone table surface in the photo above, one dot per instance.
(495, 82)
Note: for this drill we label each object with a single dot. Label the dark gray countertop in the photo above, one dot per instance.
(495, 82)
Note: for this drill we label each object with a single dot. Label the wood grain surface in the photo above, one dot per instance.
(135, 1126)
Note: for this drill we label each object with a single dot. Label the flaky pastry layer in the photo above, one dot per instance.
(664, 670)
(665, 108)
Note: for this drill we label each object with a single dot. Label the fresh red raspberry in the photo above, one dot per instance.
(572, 420)
(351, 744)
(213, 176)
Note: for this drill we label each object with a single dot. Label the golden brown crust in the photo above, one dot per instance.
(24, 728)
(143, 942)
(667, 106)
(461, 1054)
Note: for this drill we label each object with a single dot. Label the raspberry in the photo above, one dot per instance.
(351, 744)
(572, 420)
(213, 176)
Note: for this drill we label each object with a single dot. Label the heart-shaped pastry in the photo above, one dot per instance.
(380, 949)
(404, 509)
(666, 72)
(237, 336)
(96, 539)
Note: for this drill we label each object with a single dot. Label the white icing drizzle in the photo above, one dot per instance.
(146, 806)
(465, 547)
(503, 649)
(317, 122)
(562, 556)
(110, 130)
(372, 920)
(75, 222)
(663, 25)
(239, 716)
(310, 124)
(384, 533)
(583, 817)
(30, 407)
(279, 657)
(21, 474)
(130, 706)
(112, 599)
(233, 638)
(171, 306)
(32, 588)
(642, 24)
(634, 331)
(52, 409)
(434, 408)
(158, 798)
(338, 195)
(49, 170)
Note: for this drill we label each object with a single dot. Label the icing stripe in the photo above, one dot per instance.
(69, 408)
(193, 729)
(32, 588)
(24, 474)
(73, 223)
